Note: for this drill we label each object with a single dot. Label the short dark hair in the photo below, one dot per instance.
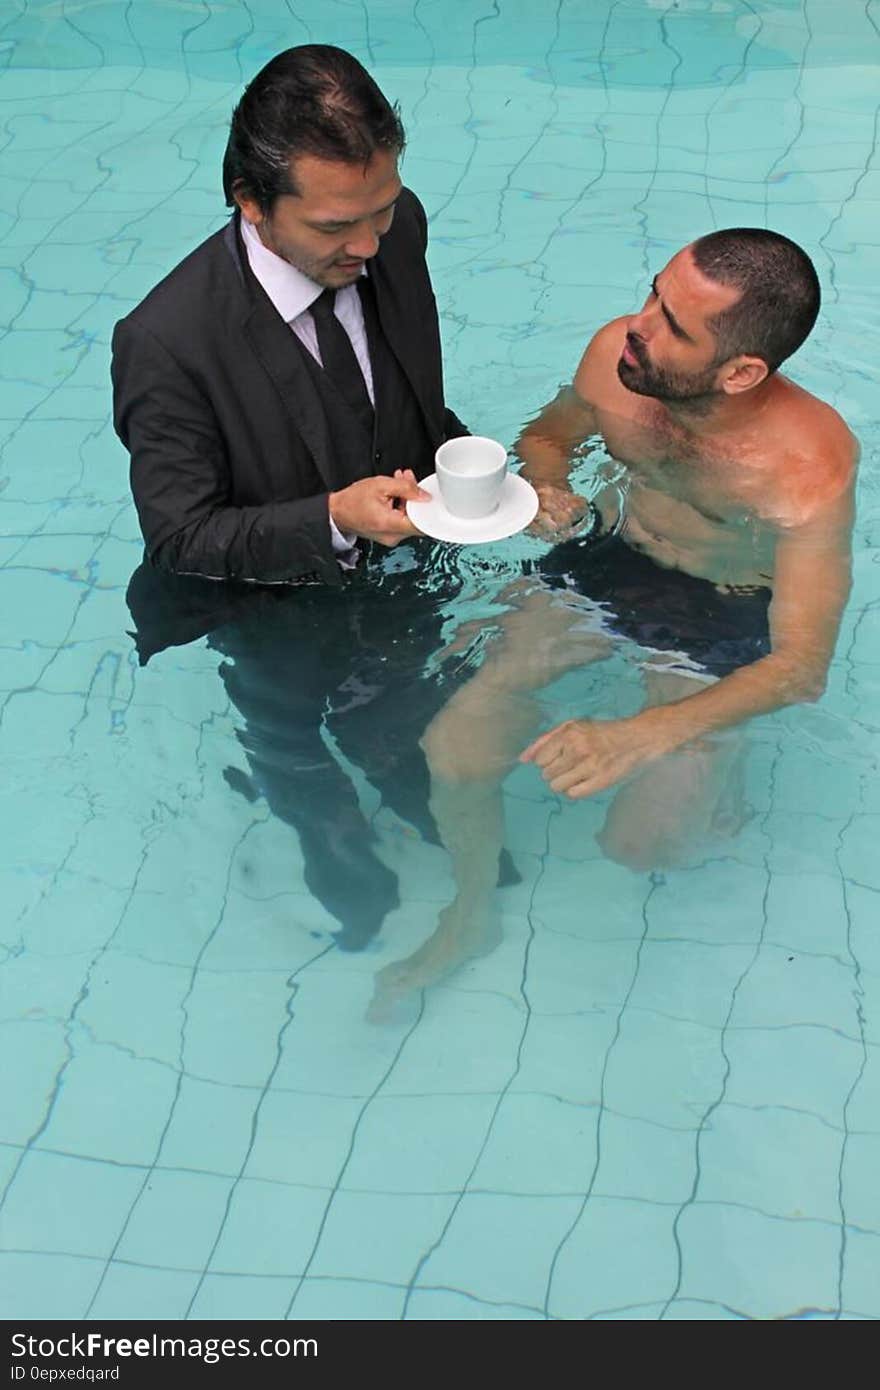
(779, 299)
(316, 100)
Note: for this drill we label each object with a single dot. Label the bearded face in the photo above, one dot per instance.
(646, 378)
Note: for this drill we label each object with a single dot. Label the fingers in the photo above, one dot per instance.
(564, 778)
(555, 531)
(565, 765)
(554, 760)
(587, 786)
(560, 520)
(543, 749)
(581, 757)
(404, 485)
(560, 501)
(564, 510)
(374, 507)
(528, 754)
(570, 774)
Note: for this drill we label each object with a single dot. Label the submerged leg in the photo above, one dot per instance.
(305, 787)
(661, 817)
(471, 745)
(469, 815)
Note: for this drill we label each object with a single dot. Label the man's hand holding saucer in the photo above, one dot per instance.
(375, 508)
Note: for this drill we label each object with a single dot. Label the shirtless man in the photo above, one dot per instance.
(738, 512)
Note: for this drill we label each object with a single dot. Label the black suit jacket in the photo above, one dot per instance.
(231, 462)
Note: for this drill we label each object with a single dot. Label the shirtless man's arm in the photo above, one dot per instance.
(546, 446)
(547, 443)
(811, 585)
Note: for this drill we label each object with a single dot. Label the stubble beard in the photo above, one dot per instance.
(695, 392)
(319, 272)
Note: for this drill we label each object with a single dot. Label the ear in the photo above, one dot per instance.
(742, 374)
(248, 206)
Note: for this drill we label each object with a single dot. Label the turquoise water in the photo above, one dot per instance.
(658, 1097)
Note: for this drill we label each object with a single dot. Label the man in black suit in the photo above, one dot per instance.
(280, 393)
(251, 456)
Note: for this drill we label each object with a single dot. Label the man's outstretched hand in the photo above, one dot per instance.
(375, 508)
(584, 756)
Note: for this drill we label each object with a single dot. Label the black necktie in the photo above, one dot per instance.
(338, 356)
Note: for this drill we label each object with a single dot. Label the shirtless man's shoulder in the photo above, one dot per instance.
(818, 426)
(596, 380)
(811, 454)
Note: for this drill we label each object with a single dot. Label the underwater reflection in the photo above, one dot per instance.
(361, 664)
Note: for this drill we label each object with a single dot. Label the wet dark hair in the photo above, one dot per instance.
(779, 299)
(312, 100)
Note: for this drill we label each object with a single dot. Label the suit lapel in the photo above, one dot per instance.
(274, 344)
(396, 296)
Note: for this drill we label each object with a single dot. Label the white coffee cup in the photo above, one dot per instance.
(470, 474)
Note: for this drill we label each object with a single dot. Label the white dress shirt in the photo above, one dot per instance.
(293, 294)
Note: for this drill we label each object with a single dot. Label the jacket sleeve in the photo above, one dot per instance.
(181, 480)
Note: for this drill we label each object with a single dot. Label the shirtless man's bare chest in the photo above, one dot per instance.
(688, 503)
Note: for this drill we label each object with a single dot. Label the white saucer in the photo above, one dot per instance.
(517, 506)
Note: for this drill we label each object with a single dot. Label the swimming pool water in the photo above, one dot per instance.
(659, 1096)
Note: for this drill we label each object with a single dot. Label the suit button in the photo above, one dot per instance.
(378, 456)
